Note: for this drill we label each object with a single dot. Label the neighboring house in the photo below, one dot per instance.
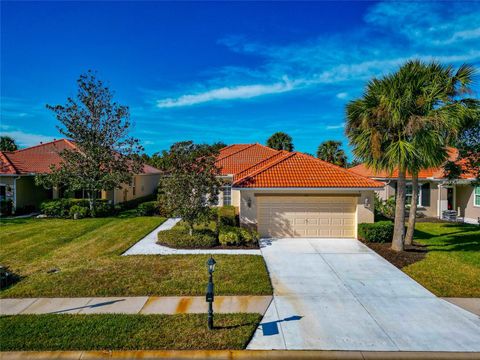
(437, 194)
(290, 194)
(18, 170)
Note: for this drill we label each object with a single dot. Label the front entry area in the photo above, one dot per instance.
(306, 216)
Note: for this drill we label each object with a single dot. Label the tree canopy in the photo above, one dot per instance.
(280, 141)
(7, 144)
(105, 156)
(332, 152)
(190, 185)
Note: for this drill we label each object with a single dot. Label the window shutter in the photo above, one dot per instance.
(425, 194)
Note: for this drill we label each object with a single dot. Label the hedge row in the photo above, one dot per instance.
(65, 208)
(379, 232)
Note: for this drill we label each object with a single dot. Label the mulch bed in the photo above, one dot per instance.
(410, 255)
(218, 247)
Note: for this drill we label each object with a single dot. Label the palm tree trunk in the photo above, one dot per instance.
(412, 217)
(399, 227)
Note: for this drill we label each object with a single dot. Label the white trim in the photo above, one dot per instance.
(474, 197)
(306, 189)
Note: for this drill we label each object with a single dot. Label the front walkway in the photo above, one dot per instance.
(337, 294)
(135, 305)
(148, 245)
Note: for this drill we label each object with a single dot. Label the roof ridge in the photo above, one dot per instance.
(338, 167)
(236, 152)
(288, 155)
(46, 143)
(279, 152)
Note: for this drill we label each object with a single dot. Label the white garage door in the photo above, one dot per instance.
(306, 216)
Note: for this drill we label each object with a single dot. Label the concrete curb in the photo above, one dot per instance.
(235, 354)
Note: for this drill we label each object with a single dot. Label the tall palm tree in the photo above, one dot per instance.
(332, 152)
(280, 141)
(401, 123)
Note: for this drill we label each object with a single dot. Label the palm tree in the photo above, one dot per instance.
(401, 123)
(331, 152)
(280, 141)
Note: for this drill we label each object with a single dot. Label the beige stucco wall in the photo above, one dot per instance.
(248, 215)
(27, 193)
(144, 185)
(465, 197)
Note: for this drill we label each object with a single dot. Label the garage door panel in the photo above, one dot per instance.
(297, 216)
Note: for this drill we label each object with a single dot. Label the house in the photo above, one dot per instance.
(437, 194)
(18, 170)
(290, 194)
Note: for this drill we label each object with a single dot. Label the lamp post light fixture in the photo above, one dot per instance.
(210, 293)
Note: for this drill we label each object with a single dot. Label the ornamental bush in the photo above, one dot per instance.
(148, 208)
(180, 238)
(230, 236)
(61, 207)
(81, 211)
(227, 216)
(379, 232)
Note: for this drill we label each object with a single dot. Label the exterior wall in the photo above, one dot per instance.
(365, 214)
(465, 197)
(26, 192)
(248, 214)
(144, 185)
(236, 198)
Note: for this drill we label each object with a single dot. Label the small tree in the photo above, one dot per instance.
(7, 144)
(280, 141)
(191, 184)
(104, 157)
(332, 152)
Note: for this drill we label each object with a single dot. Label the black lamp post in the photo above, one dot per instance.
(209, 298)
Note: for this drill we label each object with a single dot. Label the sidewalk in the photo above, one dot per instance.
(135, 305)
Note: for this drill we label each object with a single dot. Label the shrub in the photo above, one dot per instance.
(133, 204)
(61, 207)
(230, 236)
(385, 208)
(81, 211)
(148, 208)
(227, 216)
(249, 236)
(180, 238)
(379, 232)
(6, 207)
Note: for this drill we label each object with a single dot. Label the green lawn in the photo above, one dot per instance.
(125, 332)
(452, 265)
(87, 253)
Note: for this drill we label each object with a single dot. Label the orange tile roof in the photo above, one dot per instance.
(297, 170)
(431, 173)
(39, 158)
(236, 158)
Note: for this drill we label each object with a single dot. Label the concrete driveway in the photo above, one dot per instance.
(337, 294)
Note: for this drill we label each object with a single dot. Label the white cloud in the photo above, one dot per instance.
(334, 127)
(227, 93)
(25, 139)
(393, 33)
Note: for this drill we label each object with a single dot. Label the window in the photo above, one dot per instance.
(227, 195)
(476, 196)
(408, 194)
(3, 192)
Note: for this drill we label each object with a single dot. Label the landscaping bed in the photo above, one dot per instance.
(221, 231)
(445, 258)
(75, 258)
(125, 332)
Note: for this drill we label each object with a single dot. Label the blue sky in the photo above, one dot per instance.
(232, 72)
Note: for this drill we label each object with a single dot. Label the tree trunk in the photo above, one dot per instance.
(91, 202)
(399, 227)
(412, 217)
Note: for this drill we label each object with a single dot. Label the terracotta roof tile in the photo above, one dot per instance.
(39, 158)
(431, 173)
(297, 170)
(236, 158)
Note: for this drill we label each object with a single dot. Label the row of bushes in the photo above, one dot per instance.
(80, 208)
(379, 232)
(66, 208)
